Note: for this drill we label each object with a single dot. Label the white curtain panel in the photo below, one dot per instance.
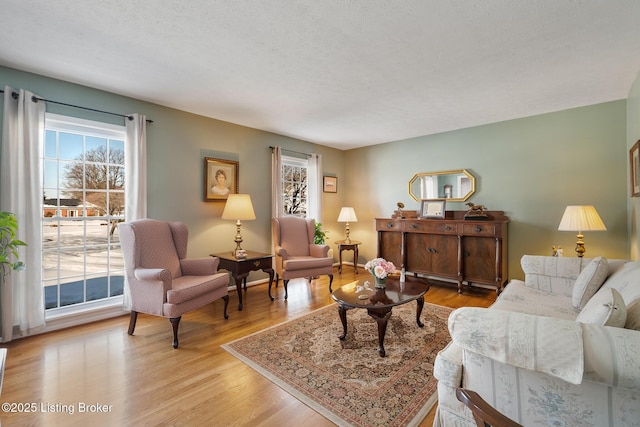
(20, 192)
(135, 189)
(135, 163)
(314, 189)
(276, 182)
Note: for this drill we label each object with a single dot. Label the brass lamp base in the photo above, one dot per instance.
(238, 252)
(347, 239)
(580, 245)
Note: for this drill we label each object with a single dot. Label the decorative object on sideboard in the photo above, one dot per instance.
(347, 214)
(220, 179)
(238, 207)
(402, 213)
(434, 209)
(476, 212)
(581, 218)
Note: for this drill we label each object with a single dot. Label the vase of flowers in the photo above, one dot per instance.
(380, 270)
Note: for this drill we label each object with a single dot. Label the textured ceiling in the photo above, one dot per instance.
(339, 73)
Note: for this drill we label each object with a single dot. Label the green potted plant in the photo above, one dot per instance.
(320, 234)
(9, 244)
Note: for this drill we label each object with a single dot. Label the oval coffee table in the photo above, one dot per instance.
(379, 302)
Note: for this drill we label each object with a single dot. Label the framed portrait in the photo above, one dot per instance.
(432, 208)
(634, 158)
(220, 179)
(330, 184)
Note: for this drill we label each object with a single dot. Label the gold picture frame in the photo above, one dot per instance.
(634, 159)
(220, 179)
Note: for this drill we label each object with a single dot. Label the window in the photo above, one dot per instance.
(294, 186)
(83, 201)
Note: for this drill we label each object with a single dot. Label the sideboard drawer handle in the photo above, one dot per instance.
(447, 228)
(477, 229)
(413, 226)
(389, 225)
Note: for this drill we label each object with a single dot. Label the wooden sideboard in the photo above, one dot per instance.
(465, 251)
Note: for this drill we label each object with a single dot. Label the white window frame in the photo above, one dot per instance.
(95, 309)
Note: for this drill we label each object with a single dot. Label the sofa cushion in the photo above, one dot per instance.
(605, 308)
(552, 274)
(589, 281)
(633, 315)
(537, 343)
(625, 280)
(519, 297)
(306, 262)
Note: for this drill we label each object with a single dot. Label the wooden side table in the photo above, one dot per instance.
(240, 268)
(352, 245)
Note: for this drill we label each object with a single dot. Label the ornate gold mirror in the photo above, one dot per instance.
(455, 185)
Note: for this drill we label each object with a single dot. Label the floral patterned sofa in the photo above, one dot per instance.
(561, 348)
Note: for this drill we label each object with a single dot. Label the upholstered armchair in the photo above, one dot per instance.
(162, 281)
(296, 253)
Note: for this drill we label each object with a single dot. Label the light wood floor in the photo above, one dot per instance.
(142, 380)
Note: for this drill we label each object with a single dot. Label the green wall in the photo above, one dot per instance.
(531, 168)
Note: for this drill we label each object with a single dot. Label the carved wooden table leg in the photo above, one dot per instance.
(342, 312)
(420, 302)
(381, 316)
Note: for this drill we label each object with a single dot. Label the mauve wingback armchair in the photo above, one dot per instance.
(162, 281)
(296, 253)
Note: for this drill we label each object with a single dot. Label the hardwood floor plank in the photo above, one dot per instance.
(142, 380)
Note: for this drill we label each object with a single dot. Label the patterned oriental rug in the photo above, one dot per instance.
(346, 381)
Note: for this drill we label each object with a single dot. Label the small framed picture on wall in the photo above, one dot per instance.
(634, 158)
(330, 184)
(220, 179)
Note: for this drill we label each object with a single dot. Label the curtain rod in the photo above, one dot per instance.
(14, 95)
(291, 151)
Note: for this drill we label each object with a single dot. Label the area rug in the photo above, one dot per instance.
(347, 381)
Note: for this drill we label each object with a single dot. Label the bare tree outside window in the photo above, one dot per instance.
(98, 179)
(294, 187)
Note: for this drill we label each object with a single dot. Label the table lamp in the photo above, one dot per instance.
(581, 218)
(238, 207)
(347, 215)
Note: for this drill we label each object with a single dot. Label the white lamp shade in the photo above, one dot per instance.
(238, 207)
(581, 218)
(347, 215)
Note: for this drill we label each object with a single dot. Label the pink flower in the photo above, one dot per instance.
(380, 267)
(379, 271)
